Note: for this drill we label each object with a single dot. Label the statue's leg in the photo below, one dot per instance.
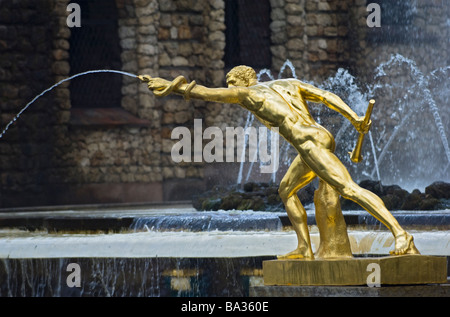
(297, 176)
(331, 170)
(334, 242)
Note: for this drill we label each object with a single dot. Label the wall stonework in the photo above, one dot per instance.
(34, 41)
(313, 35)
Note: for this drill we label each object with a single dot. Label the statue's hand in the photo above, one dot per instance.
(361, 126)
(162, 87)
(158, 84)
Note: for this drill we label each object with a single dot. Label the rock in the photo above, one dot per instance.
(210, 204)
(438, 190)
(231, 201)
(430, 203)
(396, 198)
(252, 196)
(256, 203)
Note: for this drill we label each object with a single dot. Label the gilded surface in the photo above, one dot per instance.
(283, 104)
(390, 270)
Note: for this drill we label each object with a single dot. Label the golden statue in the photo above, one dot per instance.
(282, 104)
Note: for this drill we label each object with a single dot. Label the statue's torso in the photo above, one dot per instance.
(280, 104)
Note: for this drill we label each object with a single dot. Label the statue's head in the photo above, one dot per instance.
(241, 76)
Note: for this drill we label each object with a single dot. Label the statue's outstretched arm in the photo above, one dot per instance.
(179, 85)
(314, 94)
(222, 95)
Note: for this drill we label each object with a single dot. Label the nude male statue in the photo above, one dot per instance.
(282, 103)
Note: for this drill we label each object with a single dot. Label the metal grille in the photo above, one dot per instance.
(95, 45)
(247, 33)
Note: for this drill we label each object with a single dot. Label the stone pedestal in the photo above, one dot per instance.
(372, 271)
(429, 290)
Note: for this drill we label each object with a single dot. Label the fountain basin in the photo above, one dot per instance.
(184, 217)
(204, 244)
(168, 251)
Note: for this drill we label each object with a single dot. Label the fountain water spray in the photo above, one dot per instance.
(56, 85)
(378, 163)
(250, 120)
(422, 83)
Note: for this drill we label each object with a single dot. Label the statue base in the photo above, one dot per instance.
(372, 271)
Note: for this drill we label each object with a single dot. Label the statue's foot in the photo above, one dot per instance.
(404, 244)
(297, 254)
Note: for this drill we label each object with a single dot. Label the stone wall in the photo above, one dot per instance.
(419, 33)
(320, 36)
(33, 57)
(191, 43)
(129, 163)
(122, 164)
(312, 34)
(47, 159)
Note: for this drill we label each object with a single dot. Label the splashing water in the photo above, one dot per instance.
(342, 79)
(422, 83)
(56, 85)
(408, 139)
(250, 120)
(400, 147)
(372, 144)
(248, 123)
(289, 64)
(266, 72)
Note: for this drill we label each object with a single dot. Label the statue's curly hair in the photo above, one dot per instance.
(245, 73)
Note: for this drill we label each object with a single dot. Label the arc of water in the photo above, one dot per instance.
(251, 163)
(56, 85)
(276, 157)
(265, 71)
(374, 156)
(397, 129)
(423, 84)
(268, 73)
(341, 131)
(438, 121)
(440, 69)
(289, 64)
(248, 123)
